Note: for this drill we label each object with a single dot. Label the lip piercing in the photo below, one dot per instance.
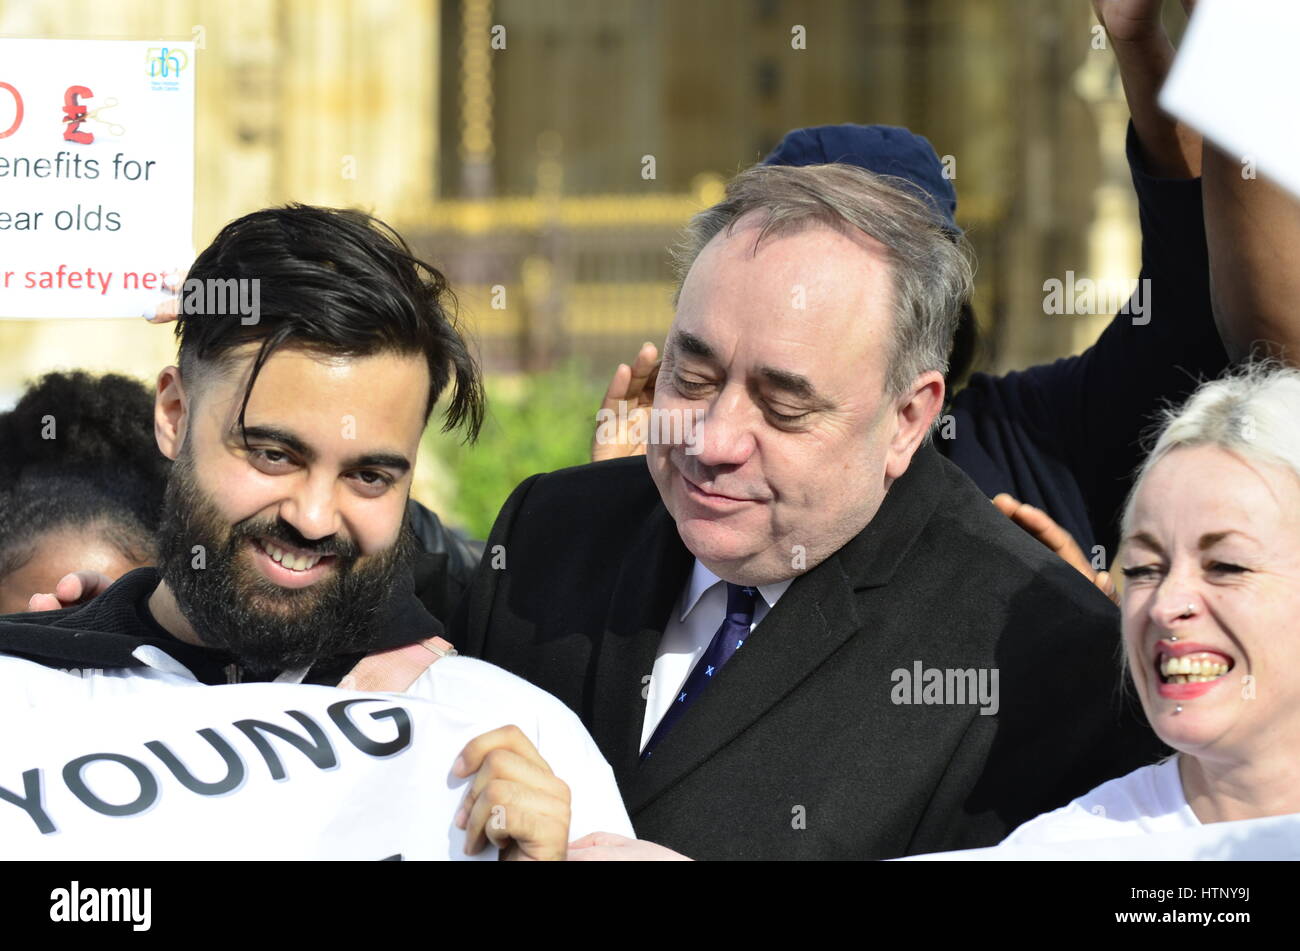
(1173, 637)
(1178, 709)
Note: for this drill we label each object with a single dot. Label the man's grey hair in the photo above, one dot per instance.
(932, 269)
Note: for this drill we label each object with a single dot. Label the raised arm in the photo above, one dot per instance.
(1252, 229)
(1144, 54)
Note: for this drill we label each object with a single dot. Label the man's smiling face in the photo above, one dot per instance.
(301, 513)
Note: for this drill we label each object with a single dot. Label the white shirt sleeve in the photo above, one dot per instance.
(492, 695)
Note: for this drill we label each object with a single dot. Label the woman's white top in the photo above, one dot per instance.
(1146, 801)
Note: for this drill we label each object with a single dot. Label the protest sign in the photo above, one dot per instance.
(249, 771)
(1234, 82)
(96, 174)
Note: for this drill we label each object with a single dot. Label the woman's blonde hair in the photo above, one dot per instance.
(1253, 412)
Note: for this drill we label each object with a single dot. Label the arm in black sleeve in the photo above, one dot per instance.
(1085, 415)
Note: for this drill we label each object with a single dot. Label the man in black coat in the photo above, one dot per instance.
(917, 674)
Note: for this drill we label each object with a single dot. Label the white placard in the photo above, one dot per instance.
(94, 212)
(1235, 81)
(251, 771)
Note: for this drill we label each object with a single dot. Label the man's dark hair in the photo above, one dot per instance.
(334, 281)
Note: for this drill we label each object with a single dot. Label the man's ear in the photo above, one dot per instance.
(171, 412)
(914, 414)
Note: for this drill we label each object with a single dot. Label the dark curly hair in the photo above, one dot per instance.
(79, 450)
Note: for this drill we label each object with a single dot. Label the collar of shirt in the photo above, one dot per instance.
(702, 579)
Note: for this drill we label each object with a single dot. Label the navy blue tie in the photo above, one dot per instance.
(731, 634)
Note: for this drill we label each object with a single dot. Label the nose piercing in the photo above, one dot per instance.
(1188, 611)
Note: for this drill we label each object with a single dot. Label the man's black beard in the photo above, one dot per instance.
(231, 605)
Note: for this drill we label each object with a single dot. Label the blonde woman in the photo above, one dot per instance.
(1211, 615)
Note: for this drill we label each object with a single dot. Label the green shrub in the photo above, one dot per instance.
(534, 424)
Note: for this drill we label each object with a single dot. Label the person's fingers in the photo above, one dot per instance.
(504, 764)
(618, 386)
(1044, 528)
(506, 812)
(644, 369)
(70, 588)
(1106, 583)
(615, 394)
(74, 588)
(506, 737)
(1041, 525)
(81, 586)
(166, 312)
(514, 795)
(43, 602)
(1006, 503)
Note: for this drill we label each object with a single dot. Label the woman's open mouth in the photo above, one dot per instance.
(1189, 670)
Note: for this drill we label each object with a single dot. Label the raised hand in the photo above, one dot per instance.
(633, 386)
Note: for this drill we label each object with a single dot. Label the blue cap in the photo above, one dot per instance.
(883, 149)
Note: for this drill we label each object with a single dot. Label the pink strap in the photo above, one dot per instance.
(393, 671)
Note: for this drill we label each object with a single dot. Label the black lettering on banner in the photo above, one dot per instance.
(339, 714)
(148, 785)
(30, 801)
(235, 771)
(317, 748)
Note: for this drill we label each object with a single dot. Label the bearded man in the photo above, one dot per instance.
(284, 548)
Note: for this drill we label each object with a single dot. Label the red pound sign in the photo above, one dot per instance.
(75, 113)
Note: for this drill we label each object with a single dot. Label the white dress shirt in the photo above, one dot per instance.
(698, 614)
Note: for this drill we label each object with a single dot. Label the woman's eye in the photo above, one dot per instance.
(1139, 571)
(1228, 568)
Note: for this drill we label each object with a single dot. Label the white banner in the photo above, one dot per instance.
(96, 174)
(252, 771)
